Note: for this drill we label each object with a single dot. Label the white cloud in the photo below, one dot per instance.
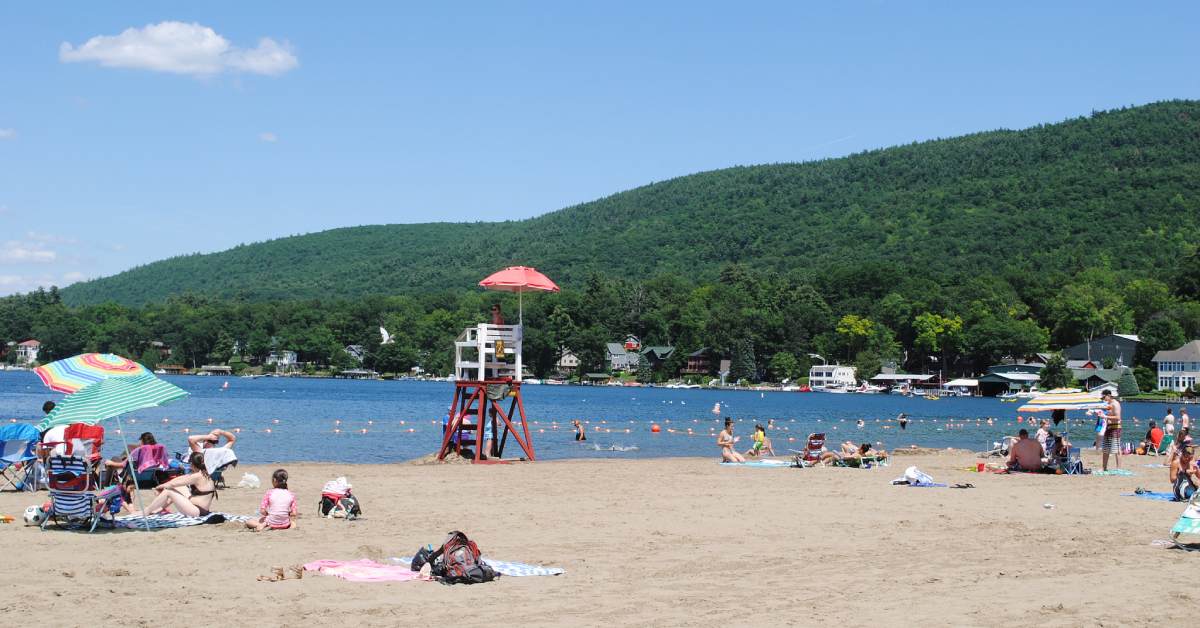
(14, 251)
(180, 48)
(268, 136)
(8, 134)
(49, 238)
(73, 276)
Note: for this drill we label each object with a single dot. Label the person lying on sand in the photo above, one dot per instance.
(202, 490)
(726, 441)
(851, 453)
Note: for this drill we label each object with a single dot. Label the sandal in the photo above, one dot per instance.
(297, 571)
(967, 485)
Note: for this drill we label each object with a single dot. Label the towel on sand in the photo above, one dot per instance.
(363, 570)
(173, 520)
(502, 567)
(767, 464)
(1159, 497)
(1120, 472)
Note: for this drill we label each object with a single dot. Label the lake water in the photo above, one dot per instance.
(293, 419)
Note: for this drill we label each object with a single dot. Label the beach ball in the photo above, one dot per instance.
(34, 516)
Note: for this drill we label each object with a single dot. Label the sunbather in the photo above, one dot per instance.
(725, 441)
(200, 442)
(202, 490)
(1025, 454)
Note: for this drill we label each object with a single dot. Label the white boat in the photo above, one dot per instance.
(868, 389)
(833, 388)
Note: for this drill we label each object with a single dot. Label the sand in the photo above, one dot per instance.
(665, 542)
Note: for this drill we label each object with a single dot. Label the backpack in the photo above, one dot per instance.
(458, 561)
(344, 506)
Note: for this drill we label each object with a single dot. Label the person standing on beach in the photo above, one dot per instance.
(1112, 430)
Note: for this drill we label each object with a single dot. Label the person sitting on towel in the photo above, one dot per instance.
(1025, 454)
(202, 490)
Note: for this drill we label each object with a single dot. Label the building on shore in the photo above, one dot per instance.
(1117, 349)
(27, 352)
(1178, 369)
(1004, 378)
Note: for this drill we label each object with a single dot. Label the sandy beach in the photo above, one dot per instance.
(663, 542)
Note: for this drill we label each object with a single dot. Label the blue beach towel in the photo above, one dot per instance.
(504, 567)
(1118, 472)
(1158, 497)
(927, 485)
(761, 464)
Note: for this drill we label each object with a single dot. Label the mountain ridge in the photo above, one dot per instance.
(947, 207)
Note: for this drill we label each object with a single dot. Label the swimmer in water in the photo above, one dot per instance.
(903, 420)
(580, 434)
(860, 423)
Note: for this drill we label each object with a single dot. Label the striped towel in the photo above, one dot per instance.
(504, 567)
(171, 520)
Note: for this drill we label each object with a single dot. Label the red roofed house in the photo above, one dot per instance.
(27, 352)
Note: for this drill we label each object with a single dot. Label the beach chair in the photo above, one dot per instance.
(1074, 464)
(1164, 445)
(151, 467)
(75, 502)
(811, 454)
(216, 459)
(84, 440)
(19, 467)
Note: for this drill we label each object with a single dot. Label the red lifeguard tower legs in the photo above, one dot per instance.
(478, 418)
(487, 372)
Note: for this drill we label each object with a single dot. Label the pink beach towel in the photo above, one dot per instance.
(363, 570)
(150, 457)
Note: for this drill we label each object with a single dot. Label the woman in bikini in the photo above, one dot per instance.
(196, 502)
(726, 441)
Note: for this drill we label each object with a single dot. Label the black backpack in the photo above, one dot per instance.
(458, 561)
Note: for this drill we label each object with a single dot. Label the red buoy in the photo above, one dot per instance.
(655, 428)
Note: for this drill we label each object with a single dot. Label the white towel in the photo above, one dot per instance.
(217, 457)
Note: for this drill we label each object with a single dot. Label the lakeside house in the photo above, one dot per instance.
(699, 362)
(657, 355)
(1178, 369)
(1119, 349)
(832, 376)
(1003, 378)
(282, 360)
(568, 363)
(1096, 378)
(27, 351)
(215, 369)
(356, 352)
(172, 369)
(618, 358)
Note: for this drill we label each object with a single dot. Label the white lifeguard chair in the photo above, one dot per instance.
(484, 378)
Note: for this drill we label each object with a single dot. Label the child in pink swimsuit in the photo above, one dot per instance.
(278, 508)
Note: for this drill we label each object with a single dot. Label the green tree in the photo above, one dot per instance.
(1160, 334)
(1146, 298)
(645, 374)
(1146, 378)
(854, 330)
(1055, 374)
(784, 365)
(150, 358)
(742, 364)
(1127, 386)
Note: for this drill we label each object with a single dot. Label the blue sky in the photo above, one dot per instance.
(130, 132)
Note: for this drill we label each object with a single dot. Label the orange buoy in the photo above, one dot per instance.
(655, 428)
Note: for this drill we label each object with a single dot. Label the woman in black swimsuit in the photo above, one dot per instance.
(201, 491)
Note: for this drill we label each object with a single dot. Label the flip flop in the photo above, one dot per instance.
(967, 485)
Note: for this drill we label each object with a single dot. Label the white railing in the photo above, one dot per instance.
(486, 364)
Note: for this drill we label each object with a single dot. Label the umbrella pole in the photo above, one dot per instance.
(521, 308)
(133, 473)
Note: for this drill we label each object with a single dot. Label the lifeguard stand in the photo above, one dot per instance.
(484, 379)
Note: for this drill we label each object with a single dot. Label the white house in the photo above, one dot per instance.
(1179, 369)
(832, 376)
(568, 363)
(356, 352)
(27, 352)
(282, 359)
(619, 359)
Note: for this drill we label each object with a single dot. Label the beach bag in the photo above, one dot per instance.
(340, 506)
(458, 561)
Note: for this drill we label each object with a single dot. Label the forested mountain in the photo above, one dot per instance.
(1030, 207)
(947, 256)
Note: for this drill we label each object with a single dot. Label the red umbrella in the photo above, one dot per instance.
(519, 279)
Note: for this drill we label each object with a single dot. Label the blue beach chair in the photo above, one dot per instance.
(18, 459)
(1074, 465)
(74, 500)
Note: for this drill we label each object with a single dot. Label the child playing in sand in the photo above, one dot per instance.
(278, 508)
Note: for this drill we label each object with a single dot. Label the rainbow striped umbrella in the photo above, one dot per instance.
(1064, 399)
(112, 398)
(72, 374)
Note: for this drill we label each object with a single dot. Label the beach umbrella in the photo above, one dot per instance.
(519, 279)
(1062, 400)
(109, 399)
(71, 374)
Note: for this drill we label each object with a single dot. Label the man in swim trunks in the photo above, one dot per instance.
(1112, 431)
(1025, 453)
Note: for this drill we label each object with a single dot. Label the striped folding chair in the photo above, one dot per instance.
(811, 454)
(75, 502)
